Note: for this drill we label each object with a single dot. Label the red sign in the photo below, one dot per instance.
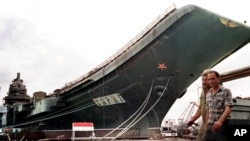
(82, 126)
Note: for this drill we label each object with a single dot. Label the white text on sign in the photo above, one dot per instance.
(240, 132)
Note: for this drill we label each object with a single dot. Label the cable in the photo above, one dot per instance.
(141, 108)
(132, 124)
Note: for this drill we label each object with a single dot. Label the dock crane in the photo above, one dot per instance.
(187, 113)
(235, 74)
(183, 119)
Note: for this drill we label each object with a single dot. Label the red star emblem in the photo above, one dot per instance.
(162, 66)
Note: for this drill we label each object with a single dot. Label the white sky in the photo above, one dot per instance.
(52, 42)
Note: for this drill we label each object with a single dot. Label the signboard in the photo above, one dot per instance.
(109, 100)
(82, 126)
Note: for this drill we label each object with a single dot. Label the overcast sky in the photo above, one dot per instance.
(52, 42)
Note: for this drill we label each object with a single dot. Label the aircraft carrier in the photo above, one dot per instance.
(129, 94)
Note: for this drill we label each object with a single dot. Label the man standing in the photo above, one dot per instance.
(201, 111)
(219, 102)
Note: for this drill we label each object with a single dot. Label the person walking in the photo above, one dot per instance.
(201, 111)
(219, 103)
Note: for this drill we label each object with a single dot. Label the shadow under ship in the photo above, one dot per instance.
(134, 88)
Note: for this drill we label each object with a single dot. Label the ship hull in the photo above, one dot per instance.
(136, 89)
